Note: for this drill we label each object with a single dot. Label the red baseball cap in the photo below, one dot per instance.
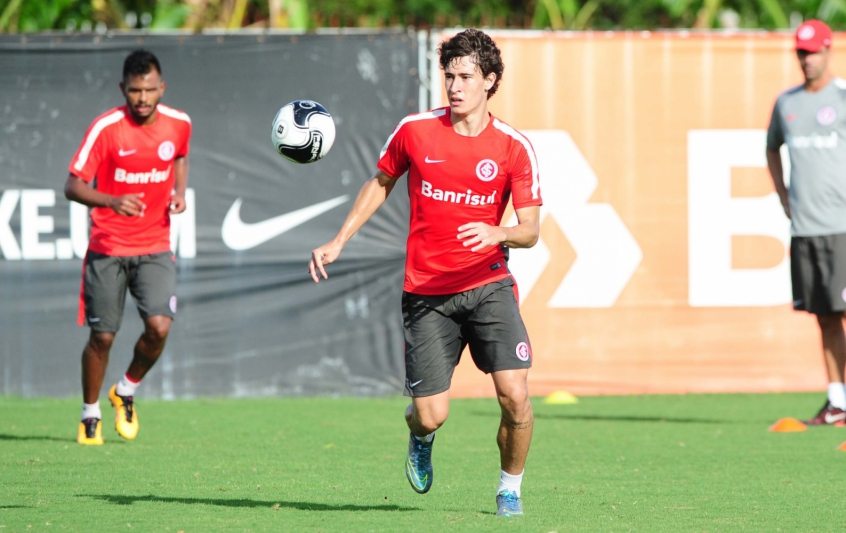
(813, 35)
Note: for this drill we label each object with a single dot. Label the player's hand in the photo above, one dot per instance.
(320, 257)
(177, 204)
(786, 206)
(128, 205)
(480, 236)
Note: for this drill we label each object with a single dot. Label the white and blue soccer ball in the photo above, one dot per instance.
(303, 131)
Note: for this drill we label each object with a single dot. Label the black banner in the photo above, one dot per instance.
(250, 321)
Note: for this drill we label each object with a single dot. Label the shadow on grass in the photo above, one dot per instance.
(15, 507)
(6, 436)
(243, 502)
(629, 418)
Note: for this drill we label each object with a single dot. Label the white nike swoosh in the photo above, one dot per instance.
(434, 160)
(412, 385)
(238, 235)
(123, 152)
(831, 419)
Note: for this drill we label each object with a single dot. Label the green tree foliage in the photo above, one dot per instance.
(18, 16)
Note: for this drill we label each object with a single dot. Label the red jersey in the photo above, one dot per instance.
(454, 180)
(130, 159)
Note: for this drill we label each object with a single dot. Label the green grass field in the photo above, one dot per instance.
(632, 463)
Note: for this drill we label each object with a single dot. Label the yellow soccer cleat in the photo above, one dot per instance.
(90, 432)
(126, 419)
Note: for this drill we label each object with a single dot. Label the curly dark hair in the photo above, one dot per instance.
(140, 63)
(481, 49)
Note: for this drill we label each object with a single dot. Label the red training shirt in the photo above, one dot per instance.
(130, 159)
(454, 180)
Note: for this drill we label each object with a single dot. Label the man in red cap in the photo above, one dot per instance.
(811, 120)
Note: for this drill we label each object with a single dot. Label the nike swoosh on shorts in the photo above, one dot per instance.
(238, 235)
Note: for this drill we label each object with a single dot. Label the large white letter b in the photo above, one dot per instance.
(714, 217)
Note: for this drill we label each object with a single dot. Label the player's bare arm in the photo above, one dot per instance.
(523, 235)
(128, 205)
(180, 175)
(372, 195)
(777, 173)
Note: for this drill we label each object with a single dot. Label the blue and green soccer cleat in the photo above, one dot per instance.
(509, 504)
(418, 465)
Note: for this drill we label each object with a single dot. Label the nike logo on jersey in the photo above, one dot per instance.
(831, 419)
(238, 235)
(434, 160)
(124, 153)
(412, 385)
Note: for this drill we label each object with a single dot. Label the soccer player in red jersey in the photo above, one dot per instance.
(463, 165)
(136, 158)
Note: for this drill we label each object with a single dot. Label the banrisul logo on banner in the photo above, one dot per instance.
(36, 237)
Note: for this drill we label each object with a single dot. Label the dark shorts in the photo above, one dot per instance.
(151, 279)
(818, 272)
(437, 328)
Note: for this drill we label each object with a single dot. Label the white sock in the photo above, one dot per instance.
(510, 482)
(91, 410)
(126, 387)
(837, 395)
(427, 438)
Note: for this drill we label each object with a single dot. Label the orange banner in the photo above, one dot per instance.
(663, 265)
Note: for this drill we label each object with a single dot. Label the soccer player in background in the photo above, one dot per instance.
(132, 170)
(811, 119)
(463, 165)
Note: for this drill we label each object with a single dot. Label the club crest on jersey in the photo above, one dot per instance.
(166, 151)
(486, 170)
(826, 116)
(523, 351)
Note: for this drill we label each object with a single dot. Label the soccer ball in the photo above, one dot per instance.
(303, 131)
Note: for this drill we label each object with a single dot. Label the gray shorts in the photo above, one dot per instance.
(818, 272)
(437, 328)
(151, 280)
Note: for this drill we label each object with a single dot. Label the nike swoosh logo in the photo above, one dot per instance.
(831, 419)
(124, 153)
(238, 235)
(412, 385)
(434, 160)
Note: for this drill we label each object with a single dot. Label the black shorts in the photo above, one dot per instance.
(437, 328)
(151, 279)
(818, 272)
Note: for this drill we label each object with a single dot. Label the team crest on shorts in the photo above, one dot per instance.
(173, 304)
(486, 170)
(166, 151)
(523, 351)
(826, 116)
(843, 295)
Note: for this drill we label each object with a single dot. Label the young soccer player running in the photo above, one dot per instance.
(463, 165)
(811, 119)
(136, 157)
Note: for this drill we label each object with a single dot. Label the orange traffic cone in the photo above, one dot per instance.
(788, 425)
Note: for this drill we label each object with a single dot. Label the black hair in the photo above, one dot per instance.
(140, 63)
(481, 50)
